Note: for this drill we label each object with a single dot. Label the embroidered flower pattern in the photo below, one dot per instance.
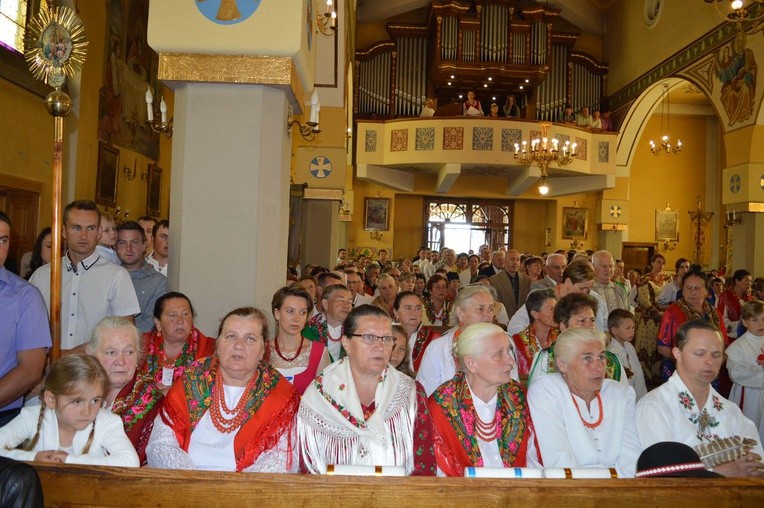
(319, 382)
(155, 353)
(686, 400)
(341, 387)
(717, 403)
(134, 406)
(455, 400)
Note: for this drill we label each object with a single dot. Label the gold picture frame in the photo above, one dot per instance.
(154, 191)
(107, 175)
(575, 222)
(666, 225)
(377, 214)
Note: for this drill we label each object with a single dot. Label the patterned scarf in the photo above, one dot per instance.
(612, 364)
(132, 405)
(200, 378)
(512, 414)
(429, 309)
(708, 314)
(528, 346)
(155, 354)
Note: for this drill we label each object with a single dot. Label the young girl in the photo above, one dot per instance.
(70, 425)
(399, 359)
(745, 362)
(105, 247)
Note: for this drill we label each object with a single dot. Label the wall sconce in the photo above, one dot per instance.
(375, 235)
(163, 127)
(577, 244)
(668, 245)
(310, 129)
(130, 174)
(326, 23)
(732, 219)
(119, 215)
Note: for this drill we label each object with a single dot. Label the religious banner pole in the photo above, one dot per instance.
(54, 50)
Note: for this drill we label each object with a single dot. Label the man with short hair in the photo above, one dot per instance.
(323, 280)
(148, 223)
(342, 256)
(432, 265)
(158, 258)
(372, 275)
(355, 285)
(326, 327)
(24, 333)
(382, 258)
(497, 264)
(555, 265)
(511, 285)
(91, 287)
(149, 284)
(688, 410)
(485, 254)
(611, 294)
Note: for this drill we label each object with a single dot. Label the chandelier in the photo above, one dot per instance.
(665, 145)
(542, 152)
(748, 17)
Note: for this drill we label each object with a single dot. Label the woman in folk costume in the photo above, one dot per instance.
(231, 411)
(540, 333)
(360, 411)
(480, 416)
(175, 343)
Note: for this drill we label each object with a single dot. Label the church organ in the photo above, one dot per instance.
(494, 47)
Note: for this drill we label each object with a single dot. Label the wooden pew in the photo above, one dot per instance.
(69, 485)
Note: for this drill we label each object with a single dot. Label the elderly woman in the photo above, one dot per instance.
(388, 288)
(231, 411)
(175, 342)
(688, 410)
(582, 419)
(691, 306)
(542, 331)
(408, 312)
(296, 358)
(360, 411)
(116, 344)
(649, 316)
(437, 308)
(473, 304)
(480, 416)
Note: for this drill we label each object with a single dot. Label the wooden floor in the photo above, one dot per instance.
(106, 486)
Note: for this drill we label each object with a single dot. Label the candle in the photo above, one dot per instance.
(313, 105)
(517, 148)
(150, 105)
(163, 109)
(318, 111)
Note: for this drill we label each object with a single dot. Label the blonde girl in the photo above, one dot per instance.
(108, 240)
(70, 426)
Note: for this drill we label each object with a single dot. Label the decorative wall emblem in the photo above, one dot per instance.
(761, 182)
(616, 211)
(425, 138)
(482, 138)
(227, 12)
(399, 140)
(320, 167)
(371, 141)
(508, 139)
(735, 184)
(453, 138)
(603, 151)
(581, 149)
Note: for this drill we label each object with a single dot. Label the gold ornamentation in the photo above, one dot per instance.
(55, 45)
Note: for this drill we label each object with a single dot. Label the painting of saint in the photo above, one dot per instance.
(736, 69)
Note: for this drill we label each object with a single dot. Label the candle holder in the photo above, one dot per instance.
(163, 127)
(308, 131)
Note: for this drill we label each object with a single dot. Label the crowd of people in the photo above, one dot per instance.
(492, 359)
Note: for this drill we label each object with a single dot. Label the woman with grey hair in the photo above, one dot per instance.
(582, 419)
(480, 416)
(117, 345)
(473, 304)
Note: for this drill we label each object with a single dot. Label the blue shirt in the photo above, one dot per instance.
(23, 323)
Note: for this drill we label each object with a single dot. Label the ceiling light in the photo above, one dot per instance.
(737, 4)
(453, 77)
(527, 80)
(449, 83)
(461, 96)
(485, 85)
(521, 87)
(490, 78)
(543, 187)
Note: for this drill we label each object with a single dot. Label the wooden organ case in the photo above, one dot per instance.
(494, 47)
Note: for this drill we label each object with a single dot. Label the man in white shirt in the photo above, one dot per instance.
(688, 410)
(355, 285)
(91, 287)
(148, 224)
(613, 295)
(326, 327)
(161, 236)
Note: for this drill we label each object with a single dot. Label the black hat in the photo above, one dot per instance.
(669, 459)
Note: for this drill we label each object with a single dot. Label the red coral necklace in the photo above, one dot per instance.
(599, 406)
(221, 422)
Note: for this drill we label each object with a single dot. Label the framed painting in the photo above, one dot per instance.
(377, 216)
(574, 222)
(106, 177)
(154, 191)
(666, 225)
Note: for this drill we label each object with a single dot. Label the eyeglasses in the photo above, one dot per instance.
(372, 339)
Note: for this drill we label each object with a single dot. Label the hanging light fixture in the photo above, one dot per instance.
(326, 22)
(542, 152)
(665, 145)
(748, 17)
